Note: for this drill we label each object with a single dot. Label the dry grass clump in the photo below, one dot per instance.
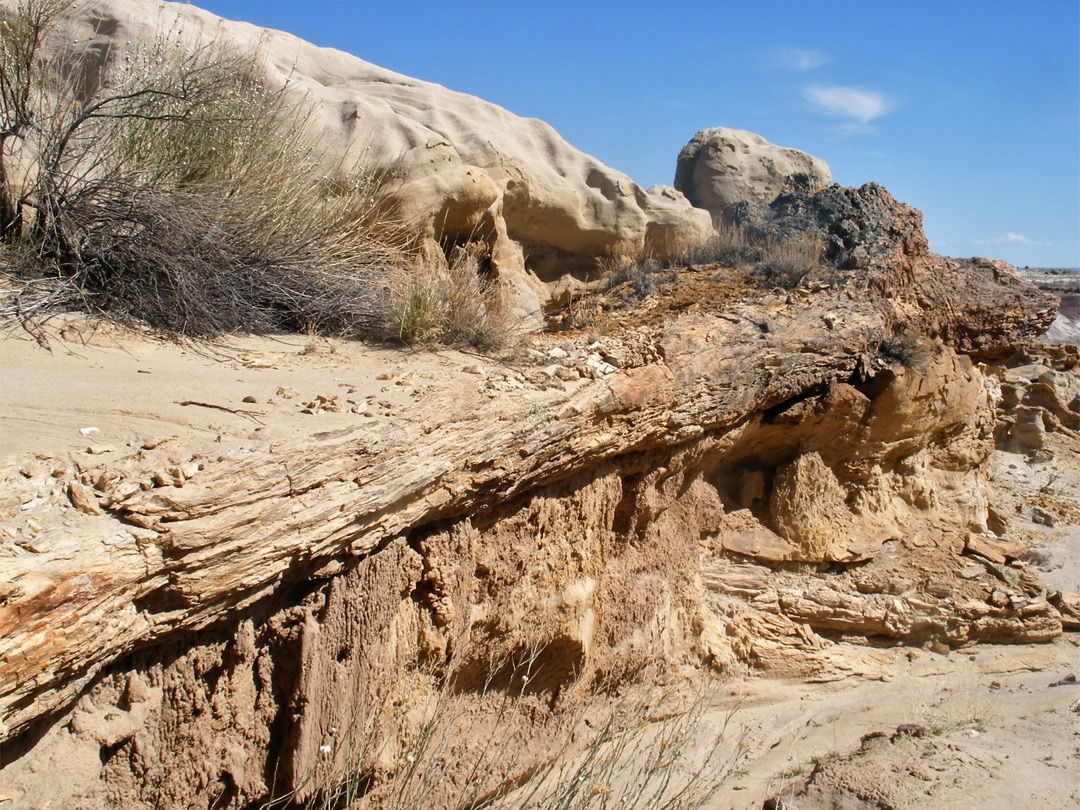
(773, 259)
(588, 312)
(787, 260)
(729, 245)
(455, 304)
(635, 267)
(501, 747)
(178, 188)
(900, 345)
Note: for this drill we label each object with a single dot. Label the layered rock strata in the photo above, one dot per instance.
(875, 245)
(753, 479)
(746, 481)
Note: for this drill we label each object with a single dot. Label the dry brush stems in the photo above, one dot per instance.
(630, 745)
(185, 191)
(776, 259)
(456, 304)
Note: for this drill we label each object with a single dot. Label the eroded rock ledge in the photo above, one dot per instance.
(757, 477)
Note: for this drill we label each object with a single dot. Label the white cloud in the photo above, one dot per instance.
(852, 102)
(799, 59)
(1007, 239)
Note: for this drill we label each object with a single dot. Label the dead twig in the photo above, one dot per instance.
(252, 415)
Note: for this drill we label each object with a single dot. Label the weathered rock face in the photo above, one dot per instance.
(722, 166)
(1037, 397)
(462, 168)
(227, 609)
(197, 622)
(878, 247)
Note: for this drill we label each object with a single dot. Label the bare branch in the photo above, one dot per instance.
(185, 191)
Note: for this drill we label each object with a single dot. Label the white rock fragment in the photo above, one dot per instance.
(598, 364)
(32, 504)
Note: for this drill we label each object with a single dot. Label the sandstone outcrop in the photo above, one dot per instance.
(877, 246)
(1039, 393)
(209, 619)
(722, 166)
(459, 168)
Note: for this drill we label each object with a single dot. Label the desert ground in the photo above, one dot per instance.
(332, 398)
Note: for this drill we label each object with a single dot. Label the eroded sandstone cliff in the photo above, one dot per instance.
(456, 167)
(756, 477)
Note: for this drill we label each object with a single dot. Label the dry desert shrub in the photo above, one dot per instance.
(787, 260)
(500, 747)
(636, 268)
(728, 246)
(178, 188)
(455, 304)
(780, 260)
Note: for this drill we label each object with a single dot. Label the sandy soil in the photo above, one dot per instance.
(131, 387)
(1035, 493)
(995, 732)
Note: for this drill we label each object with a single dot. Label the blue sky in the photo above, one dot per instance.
(970, 111)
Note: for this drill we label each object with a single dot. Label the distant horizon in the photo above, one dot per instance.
(969, 112)
(1025, 267)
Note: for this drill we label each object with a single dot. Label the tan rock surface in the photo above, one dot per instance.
(214, 556)
(460, 167)
(721, 166)
(239, 535)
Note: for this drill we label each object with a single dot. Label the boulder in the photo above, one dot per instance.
(876, 246)
(721, 166)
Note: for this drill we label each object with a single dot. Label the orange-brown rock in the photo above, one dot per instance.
(880, 250)
(601, 516)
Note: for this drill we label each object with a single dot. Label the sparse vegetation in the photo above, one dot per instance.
(178, 188)
(900, 346)
(765, 260)
(775, 260)
(588, 311)
(641, 271)
(620, 748)
(730, 245)
(454, 304)
(787, 261)
(182, 189)
(539, 412)
(742, 260)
